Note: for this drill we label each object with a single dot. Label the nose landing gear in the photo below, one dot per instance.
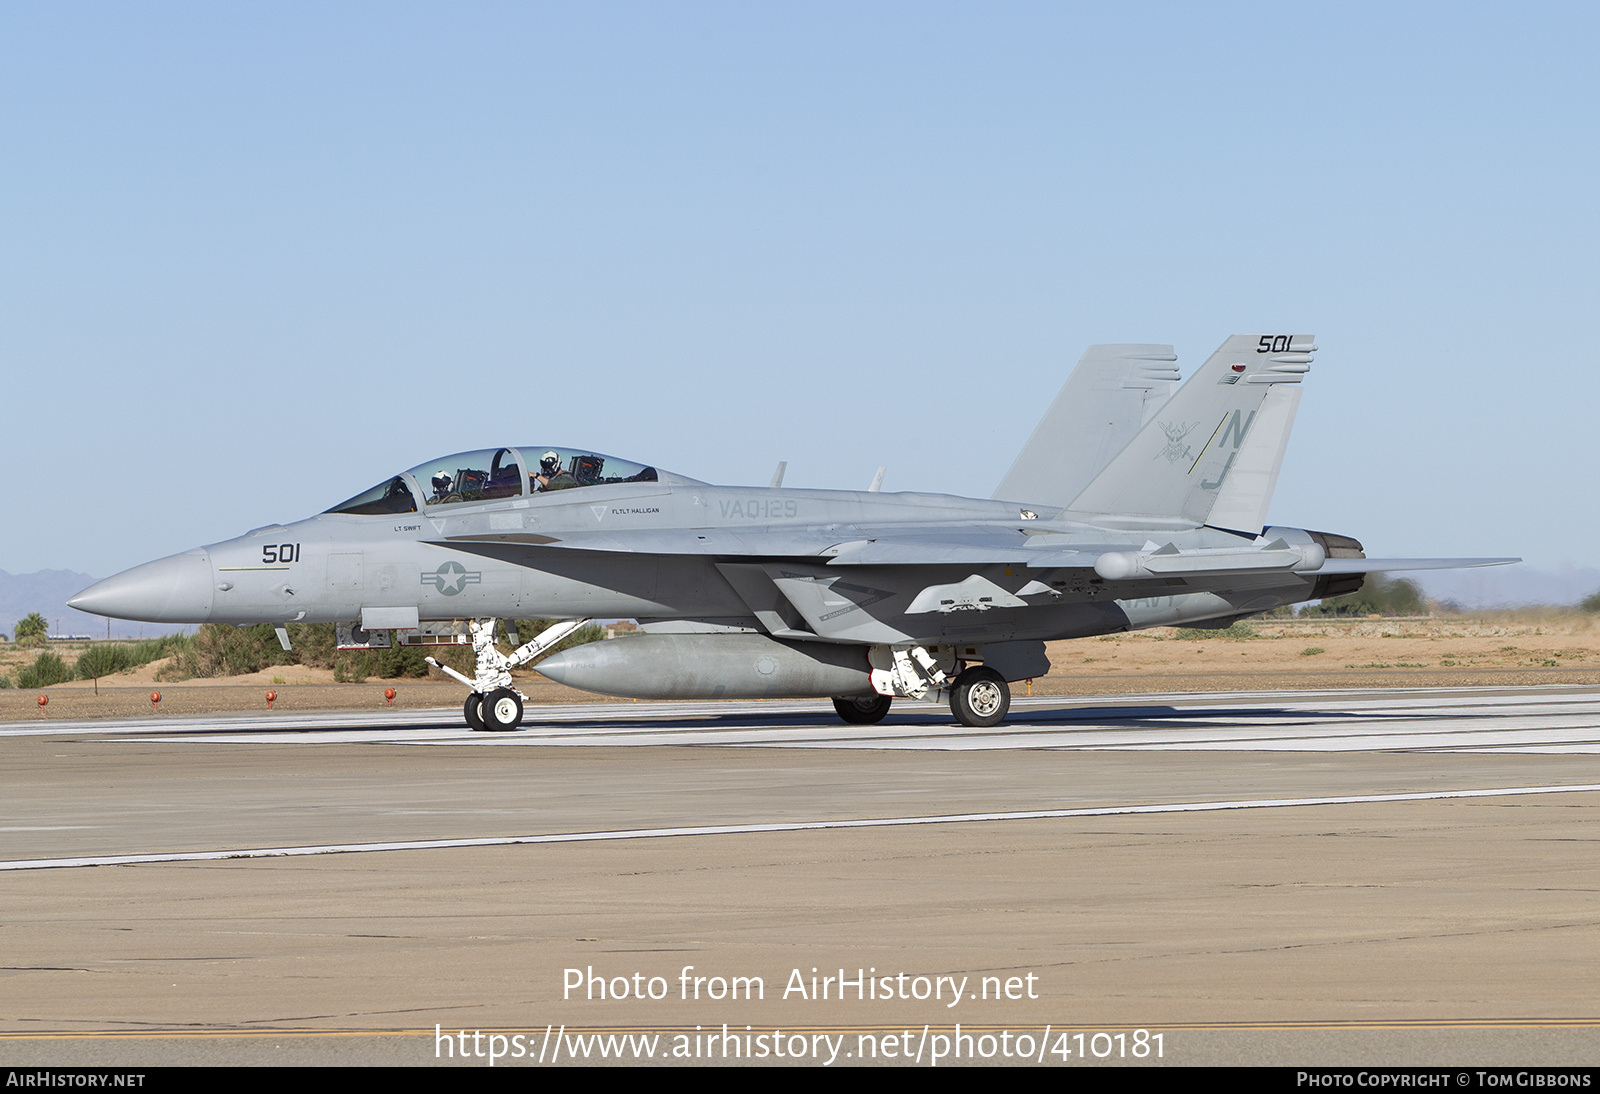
(502, 709)
(494, 704)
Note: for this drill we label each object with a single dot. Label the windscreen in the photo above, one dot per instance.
(391, 496)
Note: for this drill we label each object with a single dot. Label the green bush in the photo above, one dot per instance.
(47, 669)
(109, 658)
(146, 650)
(528, 629)
(389, 664)
(1233, 630)
(102, 659)
(220, 650)
(1379, 596)
(1590, 603)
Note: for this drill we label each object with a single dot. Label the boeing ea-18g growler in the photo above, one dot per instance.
(1135, 503)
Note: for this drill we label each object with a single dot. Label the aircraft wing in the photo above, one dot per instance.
(1000, 545)
(971, 550)
(837, 544)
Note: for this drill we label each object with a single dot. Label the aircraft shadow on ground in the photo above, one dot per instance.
(1099, 718)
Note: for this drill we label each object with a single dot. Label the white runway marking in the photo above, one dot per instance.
(791, 826)
(1530, 720)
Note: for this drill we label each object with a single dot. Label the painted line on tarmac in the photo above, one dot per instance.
(1524, 722)
(315, 726)
(790, 826)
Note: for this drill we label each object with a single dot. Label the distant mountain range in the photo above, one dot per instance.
(1509, 586)
(46, 592)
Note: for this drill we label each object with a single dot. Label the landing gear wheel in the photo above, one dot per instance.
(980, 698)
(863, 710)
(473, 709)
(502, 710)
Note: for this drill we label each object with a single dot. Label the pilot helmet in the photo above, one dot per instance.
(549, 461)
(441, 481)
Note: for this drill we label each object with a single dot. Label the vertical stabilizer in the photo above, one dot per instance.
(1225, 421)
(1112, 393)
(1243, 497)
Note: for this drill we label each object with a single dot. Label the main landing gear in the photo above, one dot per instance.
(979, 695)
(494, 704)
(980, 698)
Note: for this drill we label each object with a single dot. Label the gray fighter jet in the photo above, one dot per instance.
(1135, 503)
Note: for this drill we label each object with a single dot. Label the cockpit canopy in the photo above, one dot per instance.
(470, 476)
(493, 473)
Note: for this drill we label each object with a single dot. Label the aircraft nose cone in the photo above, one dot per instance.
(176, 589)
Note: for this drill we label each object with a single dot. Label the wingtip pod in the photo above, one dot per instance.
(1212, 453)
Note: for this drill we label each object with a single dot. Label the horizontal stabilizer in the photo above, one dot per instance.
(1390, 565)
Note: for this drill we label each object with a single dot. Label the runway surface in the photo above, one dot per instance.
(1422, 858)
(1553, 719)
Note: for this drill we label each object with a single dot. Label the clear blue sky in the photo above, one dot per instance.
(255, 257)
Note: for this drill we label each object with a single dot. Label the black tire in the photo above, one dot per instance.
(502, 710)
(981, 698)
(473, 709)
(863, 710)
